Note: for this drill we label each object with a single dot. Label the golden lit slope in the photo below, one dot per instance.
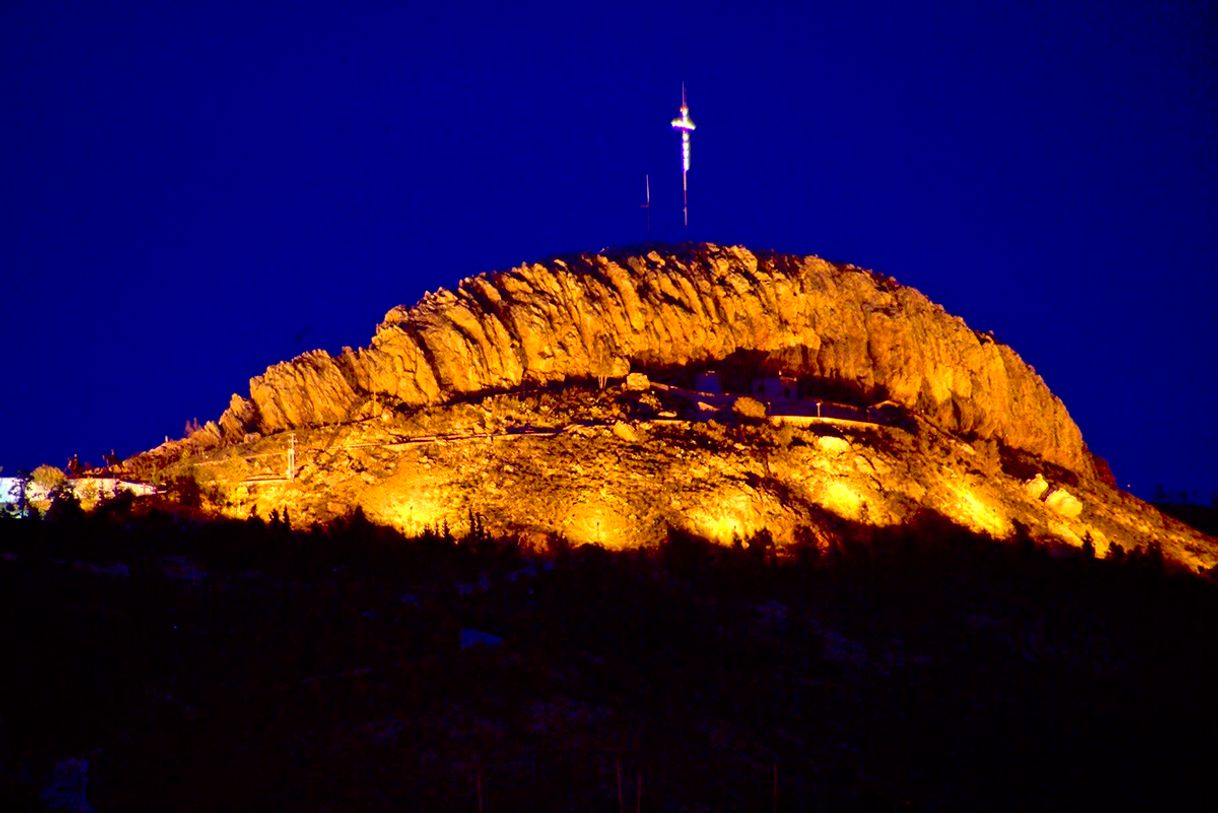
(620, 466)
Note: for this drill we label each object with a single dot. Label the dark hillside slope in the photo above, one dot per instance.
(249, 666)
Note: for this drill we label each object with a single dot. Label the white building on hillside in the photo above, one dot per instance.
(88, 489)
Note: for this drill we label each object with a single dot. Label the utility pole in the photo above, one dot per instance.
(647, 201)
(292, 456)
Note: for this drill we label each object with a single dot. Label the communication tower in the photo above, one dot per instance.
(685, 125)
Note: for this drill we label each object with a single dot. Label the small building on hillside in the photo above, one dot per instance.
(103, 488)
(776, 386)
(708, 381)
(14, 491)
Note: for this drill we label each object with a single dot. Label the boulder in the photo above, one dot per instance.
(637, 382)
(1063, 502)
(625, 431)
(1036, 487)
(747, 407)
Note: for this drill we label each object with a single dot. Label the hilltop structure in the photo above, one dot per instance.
(685, 125)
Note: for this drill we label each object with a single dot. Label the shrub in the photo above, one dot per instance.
(749, 408)
(48, 477)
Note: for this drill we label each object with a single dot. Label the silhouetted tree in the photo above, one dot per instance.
(65, 505)
(761, 545)
(185, 491)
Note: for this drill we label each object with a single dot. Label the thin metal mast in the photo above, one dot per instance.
(647, 198)
(686, 125)
(685, 159)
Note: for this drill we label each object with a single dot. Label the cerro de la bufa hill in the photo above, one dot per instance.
(609, 397)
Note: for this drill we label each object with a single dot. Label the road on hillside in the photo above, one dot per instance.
(796, 411)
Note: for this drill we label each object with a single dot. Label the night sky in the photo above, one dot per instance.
(190, 195)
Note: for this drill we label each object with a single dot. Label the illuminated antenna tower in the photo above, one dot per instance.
(686, 125)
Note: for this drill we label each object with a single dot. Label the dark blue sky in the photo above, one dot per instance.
(187, 196)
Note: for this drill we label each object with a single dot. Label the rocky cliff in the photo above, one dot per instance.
(443, 419)
(605, 314)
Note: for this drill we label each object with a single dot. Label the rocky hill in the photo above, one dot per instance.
(508, 399)
(580, 317)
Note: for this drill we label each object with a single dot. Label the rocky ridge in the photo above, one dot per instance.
(605, 314)
(521, 399)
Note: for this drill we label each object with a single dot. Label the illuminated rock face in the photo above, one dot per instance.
(620, 467)
(603, 315)
(439, 420)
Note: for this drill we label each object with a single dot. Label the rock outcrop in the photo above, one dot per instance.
(441, 418)
(603, 315)
(620, 467)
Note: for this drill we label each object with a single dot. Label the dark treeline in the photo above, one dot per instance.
(251, 665)
(1202, 517)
